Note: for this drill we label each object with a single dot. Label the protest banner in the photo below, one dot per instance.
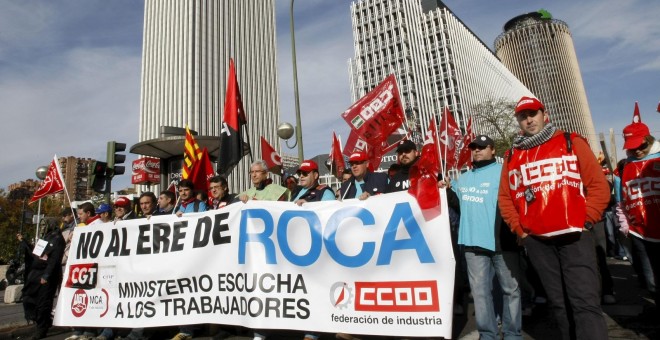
(361, 267)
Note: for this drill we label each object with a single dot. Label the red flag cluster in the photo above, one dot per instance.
(52, 184)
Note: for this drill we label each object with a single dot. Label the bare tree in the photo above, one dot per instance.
(496, 119)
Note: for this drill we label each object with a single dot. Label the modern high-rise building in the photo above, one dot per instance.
(186, 50)
(438, 62)
(76, 172)
(539, 51)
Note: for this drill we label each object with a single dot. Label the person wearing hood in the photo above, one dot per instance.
(638, 207)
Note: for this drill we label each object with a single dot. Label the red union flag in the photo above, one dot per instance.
(270, 156)
(450, 138)
(52, 184)
(336, 159)
(424, 175)
(202, 172)
(465, 156)
(376, 115)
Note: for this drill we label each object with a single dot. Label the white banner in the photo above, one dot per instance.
(360, 267)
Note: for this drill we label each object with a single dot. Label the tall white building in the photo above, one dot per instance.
(539, 51)
(186, 50)
(437, 60)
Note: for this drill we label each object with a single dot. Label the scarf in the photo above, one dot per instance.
(528, 142)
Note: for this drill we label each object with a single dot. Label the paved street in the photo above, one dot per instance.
(625, 319)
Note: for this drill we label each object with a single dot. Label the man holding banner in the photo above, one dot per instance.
(262, 190)
(364, 183)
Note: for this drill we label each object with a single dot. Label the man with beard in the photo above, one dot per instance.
(407, 155)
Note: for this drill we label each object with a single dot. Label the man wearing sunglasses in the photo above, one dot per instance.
(552, 191)
(407, 155)
(311, 190)
(638, 208)
(490, 247)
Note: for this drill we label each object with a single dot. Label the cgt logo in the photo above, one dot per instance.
(83, 276)
(397, 296)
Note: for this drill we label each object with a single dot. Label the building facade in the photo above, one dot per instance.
(539, 51)
(438, 62)
(186, 50)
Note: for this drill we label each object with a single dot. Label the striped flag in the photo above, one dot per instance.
(191, 154)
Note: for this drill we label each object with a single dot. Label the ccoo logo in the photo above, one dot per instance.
(341, 295)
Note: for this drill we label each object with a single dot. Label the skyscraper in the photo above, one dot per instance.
(437, 60)
(186, 50)
(539, 51)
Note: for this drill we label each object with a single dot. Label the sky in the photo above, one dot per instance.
(70, 70)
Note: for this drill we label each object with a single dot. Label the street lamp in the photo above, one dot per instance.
(298, 129)
(41, 173)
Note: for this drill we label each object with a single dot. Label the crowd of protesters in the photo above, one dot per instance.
(517, 240)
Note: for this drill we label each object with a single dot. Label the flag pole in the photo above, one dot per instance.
(36, 228)
(59, 172)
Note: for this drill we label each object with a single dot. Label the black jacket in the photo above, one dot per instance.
(374, 183)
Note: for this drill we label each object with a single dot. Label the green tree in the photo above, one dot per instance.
(495, 118)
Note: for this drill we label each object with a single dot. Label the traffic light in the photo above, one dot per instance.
(114, 158)
(97, 176)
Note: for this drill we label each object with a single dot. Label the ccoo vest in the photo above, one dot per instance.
(546, 188)
(641, 197)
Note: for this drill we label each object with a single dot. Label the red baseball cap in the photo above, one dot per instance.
(308, 166)
(634, 134)
(358, 156)
(529, 103)
(122, 202)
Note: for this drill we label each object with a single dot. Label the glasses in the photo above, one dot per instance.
(356, 163)
(477, 147)
(252, 172)
(303, 173)
(642, 147)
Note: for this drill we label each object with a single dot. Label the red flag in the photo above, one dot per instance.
(232, 146)
(270, 156)
(450, 138)
(424, 175)
(637, 118)
(202, 173)
(375, 117)
(465, 156)
(52, 184)
(336, 159)
(356, 143)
